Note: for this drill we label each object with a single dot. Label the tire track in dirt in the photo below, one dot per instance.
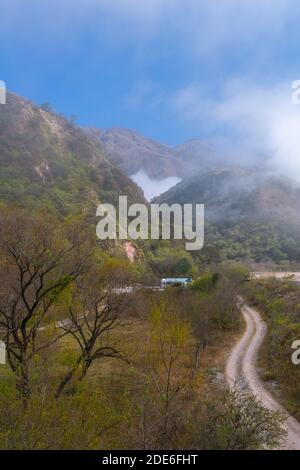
(241, 369)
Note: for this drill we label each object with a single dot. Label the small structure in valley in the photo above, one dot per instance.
(175, 281)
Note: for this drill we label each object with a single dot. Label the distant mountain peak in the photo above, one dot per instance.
(134, 153)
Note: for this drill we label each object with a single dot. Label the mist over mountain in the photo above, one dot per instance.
(155, 167)
(47, 161)
(251, 209)
(153, 187)
(249, 213)
(234, 193)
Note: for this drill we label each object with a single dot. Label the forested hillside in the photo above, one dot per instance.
(46, 160)
(249, 214)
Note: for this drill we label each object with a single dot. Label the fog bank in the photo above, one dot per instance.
(153, 187)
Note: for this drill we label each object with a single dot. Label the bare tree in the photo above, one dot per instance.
(234, 420)
(38, 263)
(96, 311)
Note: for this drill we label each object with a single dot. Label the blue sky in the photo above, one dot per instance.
(171, 69)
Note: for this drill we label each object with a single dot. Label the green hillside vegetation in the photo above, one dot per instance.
(47, 161)
(250, 215)
(91, 368)
(82, 349)
(258, 242)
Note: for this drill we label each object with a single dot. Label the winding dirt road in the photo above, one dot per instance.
(241, 371)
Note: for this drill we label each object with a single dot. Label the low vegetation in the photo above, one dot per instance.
(92, 366)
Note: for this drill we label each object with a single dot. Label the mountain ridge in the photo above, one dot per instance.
(46, 159)
(248, 214)
(133, 153)
(239, 187)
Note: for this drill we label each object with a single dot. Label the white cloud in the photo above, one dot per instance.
(260, 118)
(252, 31)
(205, 27)
(153, 187)
(200, 26)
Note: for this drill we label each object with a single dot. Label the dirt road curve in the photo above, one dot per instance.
(241, 370)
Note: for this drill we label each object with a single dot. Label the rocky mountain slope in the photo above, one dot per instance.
(133, 153)
(47, 160)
